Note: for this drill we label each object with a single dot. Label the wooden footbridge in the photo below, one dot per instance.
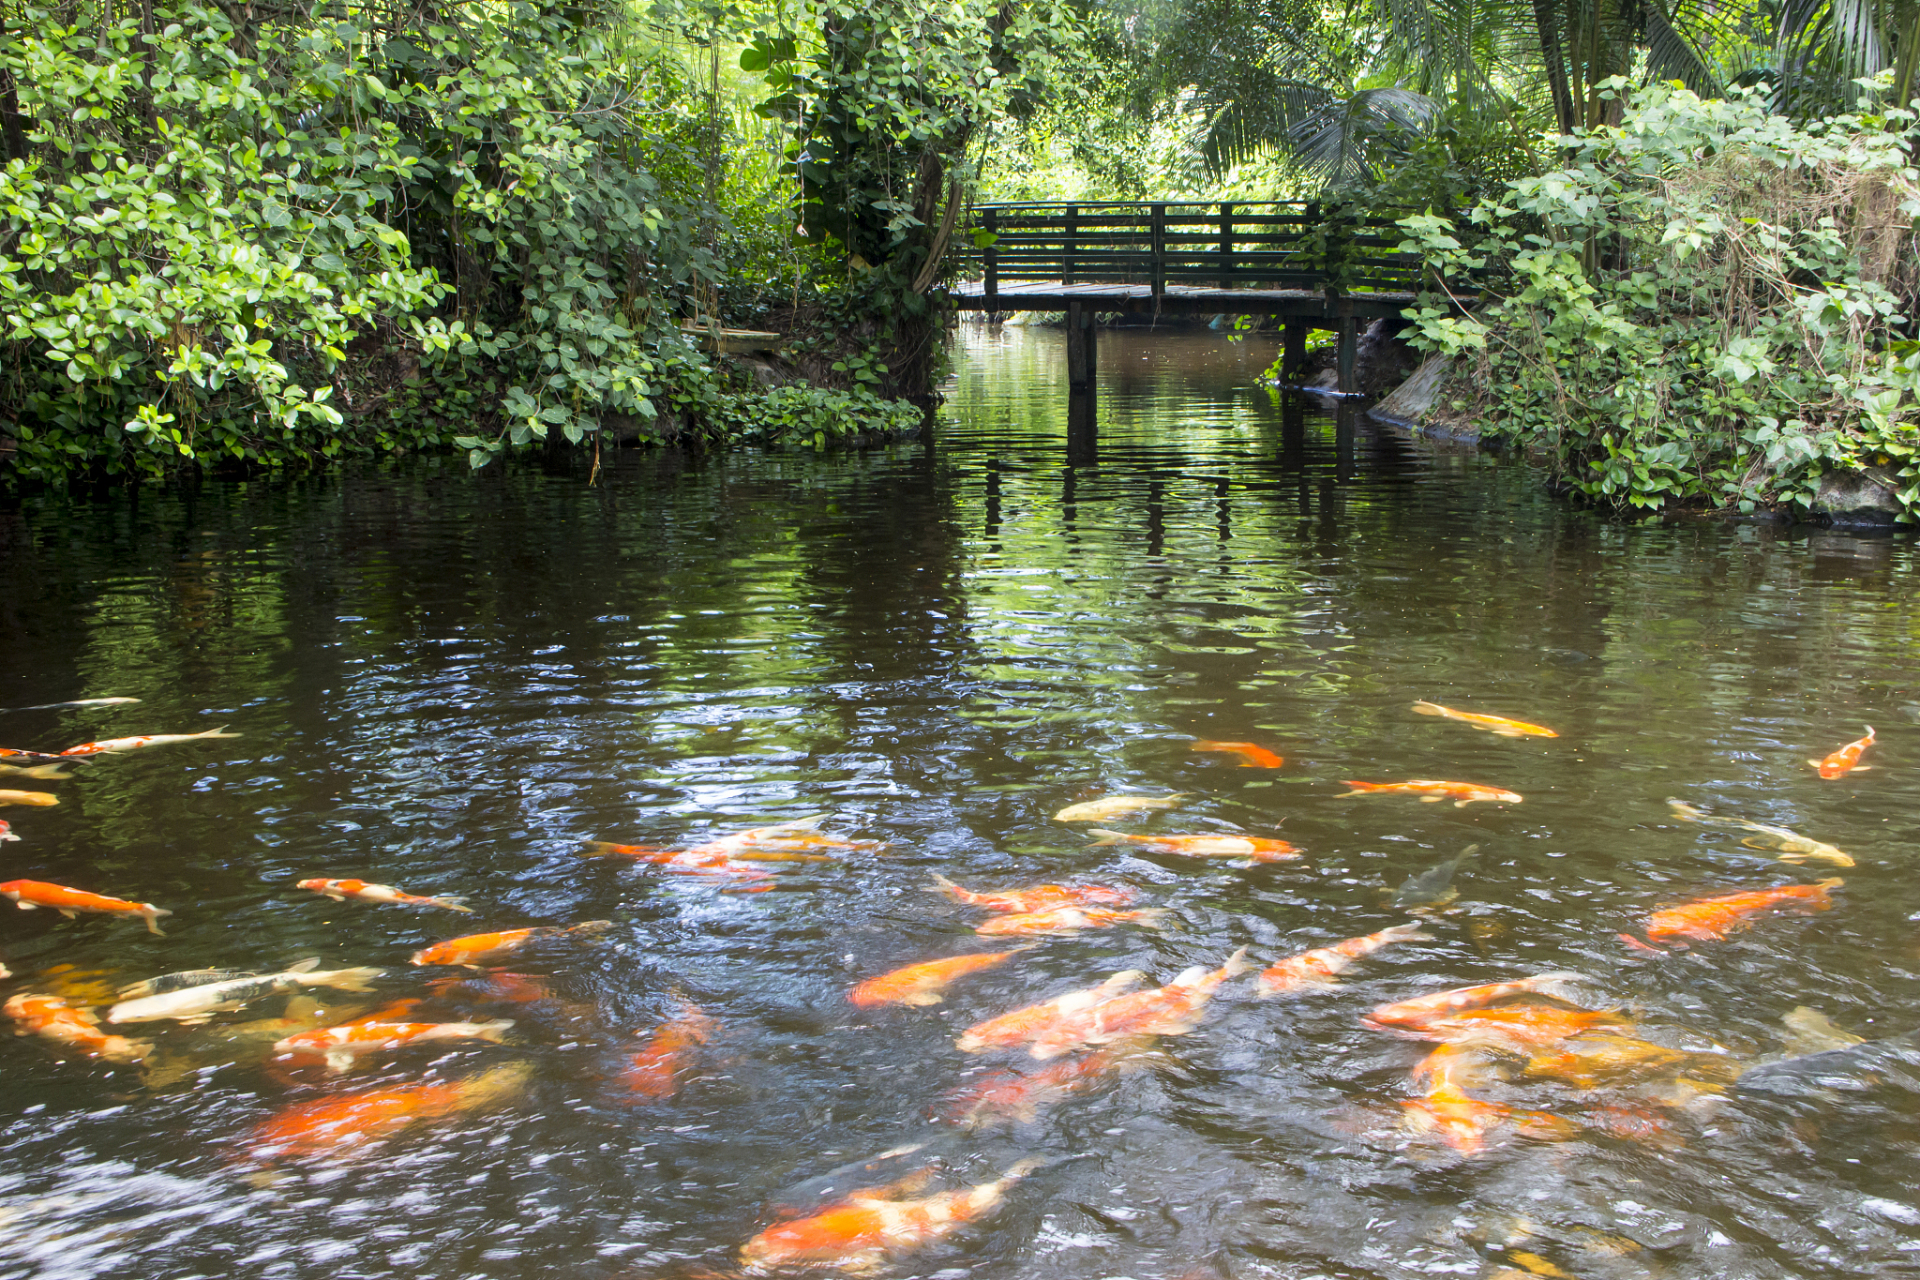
(1313, 266)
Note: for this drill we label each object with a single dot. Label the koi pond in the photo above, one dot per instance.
(775, 756)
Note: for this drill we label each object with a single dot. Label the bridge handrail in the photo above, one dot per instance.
(1297, 244)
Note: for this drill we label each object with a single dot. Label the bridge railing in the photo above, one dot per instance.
(1265, 244)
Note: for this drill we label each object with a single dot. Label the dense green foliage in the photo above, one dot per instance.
(1707, 301)
(258, 235)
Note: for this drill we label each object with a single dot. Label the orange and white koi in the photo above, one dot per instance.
(1500, 725)
(337, 1124)
(1712, 919)
(1070, 920)
(52, 1018)
(797, 836)
(1172, 1010)
(37, 799)
(1011, 1030)
(861, 1233)
(1019, 1096)
(1259, 848)
(1406, 1013)
(921, 984)
(1116, 806)
(1839, 763)
(693, 862)
(6, 831)
(144, 740)
(28, 894)
(479, 949)
(1524, 1030)
(338, 1046)
(1317, 968)
(673, 1050)
(1040, 897)
(341, 890)
(1432, 792)
(1251, 755)
(14, 753)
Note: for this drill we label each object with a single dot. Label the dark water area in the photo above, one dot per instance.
(453, 684)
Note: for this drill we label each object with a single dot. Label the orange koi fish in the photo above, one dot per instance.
(1846, 759)
(1251, 756)
(1587, 1063)
(1317, 968)
(1022, 1025)
(670, 1052)
(1465, 1123)
(340, 1122)
(145, 740)
(1259, 848)
(38, 799)
(1430, 792)
(1500, 725)
(341, 890)
(1040, 897)
(1070, 920)
(1524, 1030)
(479, 949)
(859, 1234)
(28, 894)
(1712, 919)
(1406, 1013)
(921, 984)
(1019, 1096)
(52, 1018)
(338, 1046)
(1172, 1010)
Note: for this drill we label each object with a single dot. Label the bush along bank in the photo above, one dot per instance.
(253, 237)
(1708, 304)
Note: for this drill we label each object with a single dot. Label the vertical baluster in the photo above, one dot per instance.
(1226, 246)
(1072, 247)
(1158, 232)
(991, 256)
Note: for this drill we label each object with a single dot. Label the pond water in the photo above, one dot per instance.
(453, 684)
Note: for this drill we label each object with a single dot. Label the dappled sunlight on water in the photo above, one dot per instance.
(453, 685)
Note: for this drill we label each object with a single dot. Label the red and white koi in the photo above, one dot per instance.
(1406, 1013)
(1040, 897)
(1259, 848)
(339, 1046)
(1317, 968)
(1845, 760)
(144, 740)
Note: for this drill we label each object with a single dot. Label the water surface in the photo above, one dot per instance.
(451, 684)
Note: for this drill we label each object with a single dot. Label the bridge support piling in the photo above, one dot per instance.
(1083, 350)
(1349, 354)
(1294, 357)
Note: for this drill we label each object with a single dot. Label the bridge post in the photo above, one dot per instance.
(1294, 353)
(1082, 349)
(990, 258)
(1341, 306)
(1226, 246)
(1072, 245)
(1158, 228)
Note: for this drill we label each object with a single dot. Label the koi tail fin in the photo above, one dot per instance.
(948, 887)
(1411, 931)
(1359, 788)
(122, 1049)
(1686, 812)
(1106, 838)
(1426, 708)
(1149, 917)
(153, 915)
(591, 928)
(1829, 884)
(1236, 964)
(494, 1032)
(1645, 948)
(451, 904)
(221, 732)
(607, 849)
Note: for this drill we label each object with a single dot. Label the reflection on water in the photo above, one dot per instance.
(452, 685)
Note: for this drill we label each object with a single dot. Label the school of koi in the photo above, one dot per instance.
(1498, 1034)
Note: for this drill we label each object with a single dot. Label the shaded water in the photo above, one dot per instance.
(450, 684)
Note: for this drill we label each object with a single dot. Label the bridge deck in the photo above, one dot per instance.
(1301, 304)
